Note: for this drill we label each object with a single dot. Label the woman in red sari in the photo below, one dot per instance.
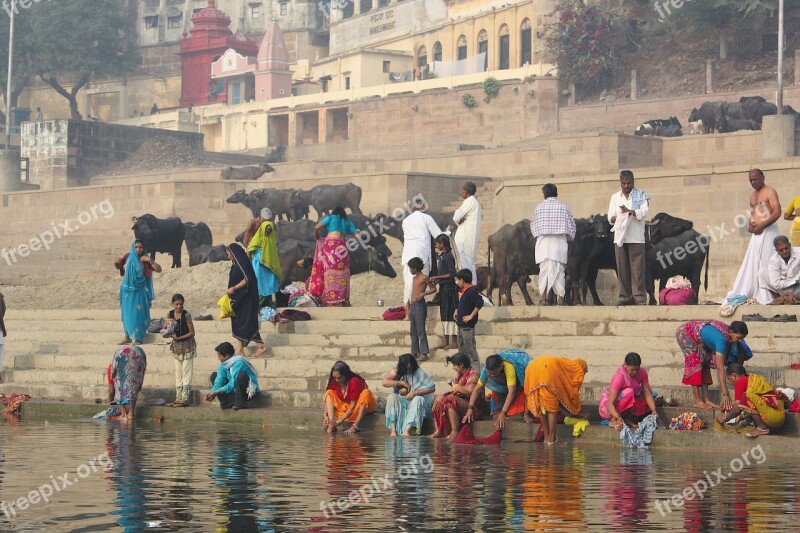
(449, 408)
(330, 272)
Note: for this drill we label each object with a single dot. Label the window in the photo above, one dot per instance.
(483, 48)
(382, 3)
(255, 11)
(349, 8)
(236, 93)
(525, 43)
(151, 22)
(366, 5)
(437, 51)
(461, 48)
(422, 56)
(325, 85)
(175, 22)
(387, 66)
(284, 8)
(347, 83)
(503, 47)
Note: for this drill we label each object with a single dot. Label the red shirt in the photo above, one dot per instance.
(354, 388)
(740, 387)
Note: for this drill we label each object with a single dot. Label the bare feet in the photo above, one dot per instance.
(124, 341)
(434, 435)
(422, 358)
(756, 432)
(701, 405)
(441, 347)
(407, 433)
(136, 343)
(452, 436)
(712, 405)
(393, 433)
(353, 429)
(526, 418)
(259, 353)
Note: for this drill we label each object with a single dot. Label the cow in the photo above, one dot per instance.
(592, 250)
(709, 113)
(663, 225)
(160, 235)
(680, 255)
(197, 234)
(246, 173)
(513, 248)
(729, 125)
(325, 198)
(362, 259)
(696, 127)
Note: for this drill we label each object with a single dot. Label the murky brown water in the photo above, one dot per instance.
(216, 477)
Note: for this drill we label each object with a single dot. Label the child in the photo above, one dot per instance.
(418, 309)
(448, 292)
(469, 303)
(184, 348)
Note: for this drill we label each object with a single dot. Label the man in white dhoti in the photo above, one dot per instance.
(553, 226)
(783, 269)
(418, 228)
(467, 238)
(765, 210)
(627, 211)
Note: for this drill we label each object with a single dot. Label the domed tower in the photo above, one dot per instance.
(273, 77)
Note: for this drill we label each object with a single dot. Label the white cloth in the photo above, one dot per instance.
(469, 232)
(471, 65)
(183, 372)
(408, 278)
(468, 263)
(755, 260)
(551, 256)
(631, 228)
(780, 276)
(418, 228)
(450, 328)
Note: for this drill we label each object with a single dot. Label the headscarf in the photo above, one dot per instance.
(266, 213)
(134, 278)
(268, 244)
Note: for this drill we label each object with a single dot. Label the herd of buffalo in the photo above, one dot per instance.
(718, 117)
(511, 248)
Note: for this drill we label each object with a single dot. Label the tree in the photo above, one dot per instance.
(587, 43)
(722, 16)
(80, 40)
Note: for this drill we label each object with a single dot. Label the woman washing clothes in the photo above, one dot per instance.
(629, 395)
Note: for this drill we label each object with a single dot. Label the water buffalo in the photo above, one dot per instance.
(324, 198)
(362, 259)
(729, 125)
(197, 234)
(513, 248)
(246, 173)
(663, 225)
(160, 235)
(591, 251)
(207, 254)
(755, 108)
(278, 201)
(254, 202)
(709, 113)
(680, 255)
(301, 230)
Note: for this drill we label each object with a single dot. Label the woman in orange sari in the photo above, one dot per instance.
(553, 384)
(449, 408)
(347, 399)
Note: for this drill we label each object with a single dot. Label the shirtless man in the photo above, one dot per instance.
(418, 309)
(765, 211)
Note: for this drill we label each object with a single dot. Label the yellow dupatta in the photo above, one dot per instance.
(268, 244)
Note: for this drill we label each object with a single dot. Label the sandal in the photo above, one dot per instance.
(124, 341)
(756, 432)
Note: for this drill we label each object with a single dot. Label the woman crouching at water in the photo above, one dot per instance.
(756, 401)
(629, 395)
(347, 399)
(503, 375)
(449, 408)
(553, 385)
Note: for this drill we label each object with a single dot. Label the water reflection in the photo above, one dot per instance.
(237, 479)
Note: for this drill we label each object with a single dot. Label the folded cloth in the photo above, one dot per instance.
(678, 282)
(156, 402)
(579, 425)
(730, 304)
(641, 436)
(465, 436)
(266, 314)
(107, 413)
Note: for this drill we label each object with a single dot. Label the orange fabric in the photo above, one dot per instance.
(550, 381)
(366, 398)
(517, 406)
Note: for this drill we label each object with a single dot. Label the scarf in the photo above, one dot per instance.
(252, 388)
(268, 244)
(638, 197)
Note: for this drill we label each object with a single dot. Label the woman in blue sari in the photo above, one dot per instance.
(503, 374)
(243, 290)
(412, 396)
(136, 292)
(263, 249)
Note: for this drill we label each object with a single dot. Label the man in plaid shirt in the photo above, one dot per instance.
(553, 226)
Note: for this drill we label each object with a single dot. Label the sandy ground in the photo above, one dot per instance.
(201, 285)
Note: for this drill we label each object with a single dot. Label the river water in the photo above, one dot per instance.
(101, 476)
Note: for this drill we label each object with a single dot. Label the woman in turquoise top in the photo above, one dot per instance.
(330, 272)
(411, 398)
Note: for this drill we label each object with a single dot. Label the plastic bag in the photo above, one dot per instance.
(225, 307)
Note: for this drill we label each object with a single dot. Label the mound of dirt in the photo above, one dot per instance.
(159, 153)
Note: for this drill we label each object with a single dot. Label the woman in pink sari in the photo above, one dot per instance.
(629, 395)
(330, 271)
(449, 408)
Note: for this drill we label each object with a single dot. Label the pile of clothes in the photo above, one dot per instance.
(688, 421)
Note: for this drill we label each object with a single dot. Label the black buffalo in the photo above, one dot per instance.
(592, 250)
(671, 130)
(301, 230)
(278, 201)
(246, 173)
(680, 255)
(207, 254)
(197, 234)
(513, 248)
(709, 113)
(325, 198)
(729, 125)
(160, 235)
(663, 225)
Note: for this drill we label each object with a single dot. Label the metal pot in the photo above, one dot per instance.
(380, 302)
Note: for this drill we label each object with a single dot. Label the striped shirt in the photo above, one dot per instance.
(552, 217)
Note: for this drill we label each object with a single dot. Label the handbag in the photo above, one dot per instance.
(395, 313)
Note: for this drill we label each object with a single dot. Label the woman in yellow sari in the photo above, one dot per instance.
(263, 252)
(756, 400)
(553, 384)
(347, 399)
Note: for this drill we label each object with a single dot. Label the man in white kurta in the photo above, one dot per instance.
(467, 238)
(553, 226)
(627, 211)
(418, 228)
(783, 269)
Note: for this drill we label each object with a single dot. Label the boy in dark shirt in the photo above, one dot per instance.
(466, 316)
